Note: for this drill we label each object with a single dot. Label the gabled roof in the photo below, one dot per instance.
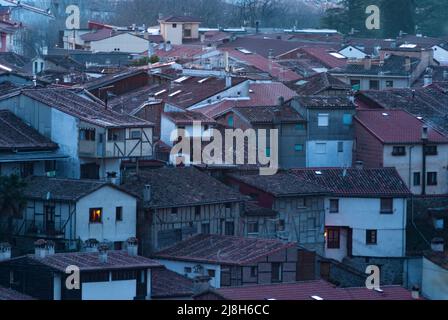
(309, 289)
(65, 62)
(97, 35)
(112, 78)
(77, 104)
(329, 58)
(16, 135)
(169, 284)
(39, 188)
(396, 126)
(355, 182)
(188, 117)
(333, 102)
(12, 295)
(316, 84)
(283, 184)
(180, 187)
(88, 261)
(222, 250)
(268, 115)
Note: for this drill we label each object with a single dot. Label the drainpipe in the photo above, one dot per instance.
(410, 166)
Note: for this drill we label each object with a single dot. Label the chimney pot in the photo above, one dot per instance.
(91, 245)
(424, 133)
(102, 249)
(147, 193)
(415, 292)
(438, 245)
(5, 251)
(367, 63)
(40, 248)
(132, 246)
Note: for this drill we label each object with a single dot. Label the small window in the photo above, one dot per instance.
(277, 272)
(281, 225)
(347, 119)
(205, 228)
(439, 223)
(119, 213)
(355, 84)
(374, 85)
(300, 127)
(253, 272)
(228, 206)
(174, 211)
(298, 147)
(323, 120)
(432, 179)
(333, 238)
(387, 205)
(197, 211)
(230, 228)
(340, 146)
(136, 134)
(334, 205)
(252, 228)
(301, 203)
(118, 245)
(96, 215)
(174, 25)
(321, 148)
(417, 179)
(399, 151)
(230, 121)
(389, 84)
(371, 237)
(431, 150)
(211, 273)
(187, 270)
(268, 152)
(87, 134)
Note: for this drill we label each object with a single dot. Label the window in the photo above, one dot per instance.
(102, 276)
(347, 119)
(431, 150)
(187, 33)
(432, 179)
(197, 211)
(371, 236)
(96, 215)
(121, 275)
(252, 228)
(211, 273)
(50, 166)
(334, 205)
(230, 121)
(300, 127)
(228, 206)
(253, 272)
(321, 148)
(174, 211)
(389, 84)
(119, 214)
(298, 147)
(355, 84)
(387, 205)
(268, 152)
(136, 134)
(174, 25)
(118, 245)
(87, 134)
(277, 272)
(301, 203)
(340, 146)
(281, 225)
(439, 223)
(374, 85)
(230, 228)
(187, 270)
(333, 238)
(323, 120)
(399, 151)
(112, 135)
(205, 228)
(417, 179)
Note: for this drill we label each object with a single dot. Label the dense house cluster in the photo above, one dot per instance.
(87, 133)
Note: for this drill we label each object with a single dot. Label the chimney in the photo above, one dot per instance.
(438, 245)
(50, 247)
(40, 249)
(161, 45)
(228, 81)
(427, 80)
(226, 61)
(168, 46)
(407, 64)
(45, 51)
(367, 63)
(132, 247)
(102, 249)
(415, 292)
(425, 133)
(151, 49)
(280, 101)
(201, 284)
(202, 38)
(359, 165)
(147, 193)
(5, 251)
(91, 245)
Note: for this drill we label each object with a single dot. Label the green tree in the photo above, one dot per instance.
(12, 199)
(397, 16)
(431, 17)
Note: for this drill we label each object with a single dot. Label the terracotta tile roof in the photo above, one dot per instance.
(16, 135)
(178, 187)
(188, 117)
(183, 51)
(271, 67)
(180, 19)
(306, 290)
(131, 102)
(76, 104)
(356, 182)
(223, 250)
(326, 102)
(65, 62)
(262, 46)
(112, 78)
(430, 103)
(316, 84)
(391, 66)
(396, 126)
(89, 261)
(12, 295)
(263, 115)
(283, 184)
(62, 189)
(324, 56)
(168, 284)
(97, 35)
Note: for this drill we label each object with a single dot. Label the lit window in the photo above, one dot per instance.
(96, 215)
